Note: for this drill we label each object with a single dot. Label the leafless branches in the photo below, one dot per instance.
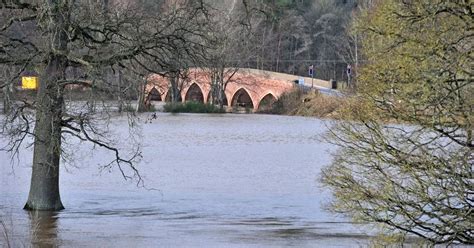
(90, 48)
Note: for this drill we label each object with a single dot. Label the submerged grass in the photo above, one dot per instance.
(192, 107)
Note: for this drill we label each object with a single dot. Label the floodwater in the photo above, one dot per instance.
(216, 181)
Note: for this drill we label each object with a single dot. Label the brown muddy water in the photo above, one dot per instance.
(221, 181)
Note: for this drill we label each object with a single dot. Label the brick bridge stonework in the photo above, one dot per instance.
(247, 85)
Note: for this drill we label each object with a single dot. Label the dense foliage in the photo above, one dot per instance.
(192, 107)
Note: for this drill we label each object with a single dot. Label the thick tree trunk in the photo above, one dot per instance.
(221, 97)
(44, 187)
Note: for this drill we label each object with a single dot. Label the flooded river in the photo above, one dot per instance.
(221, 181)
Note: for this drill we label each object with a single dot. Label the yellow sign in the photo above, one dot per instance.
(29, 83)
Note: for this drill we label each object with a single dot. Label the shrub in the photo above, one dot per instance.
(192, 107)
(287, 103)
(319, 105)
(312, 103)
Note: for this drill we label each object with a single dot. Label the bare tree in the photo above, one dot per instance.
(231, 48)
(55, 37)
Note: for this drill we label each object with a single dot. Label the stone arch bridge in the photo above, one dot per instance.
(247, 88)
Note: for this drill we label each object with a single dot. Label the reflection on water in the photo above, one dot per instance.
(222, 180)
(43, 228)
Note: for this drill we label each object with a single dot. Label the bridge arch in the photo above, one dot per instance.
(242, 98)
(266, 101)
(154, 95)
(194, 93)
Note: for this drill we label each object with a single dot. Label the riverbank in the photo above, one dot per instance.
(192, 107)
(313, 104)
(295, 103)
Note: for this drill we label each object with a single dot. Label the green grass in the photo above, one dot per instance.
(192, 107)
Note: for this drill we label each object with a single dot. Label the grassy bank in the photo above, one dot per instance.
(192, 107)
(309, 104)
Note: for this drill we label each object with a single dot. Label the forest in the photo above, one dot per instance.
(290, 35)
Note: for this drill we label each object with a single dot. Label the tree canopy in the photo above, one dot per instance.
(406, 157)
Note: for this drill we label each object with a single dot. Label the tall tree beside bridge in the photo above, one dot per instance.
(72, 43)
(231, 48)
(415, 175)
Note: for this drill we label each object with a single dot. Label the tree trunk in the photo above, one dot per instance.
(175, 91)
(214, 87)
(221, 98)
(221, 86)
(44, 187)
(142, 99)
(262, 57)
(119, 91)
(277, 68)
(7, 99)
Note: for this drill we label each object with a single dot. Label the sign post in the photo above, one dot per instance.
(29, 83)
(311, 73)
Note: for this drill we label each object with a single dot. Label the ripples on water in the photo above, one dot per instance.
(222, 181)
